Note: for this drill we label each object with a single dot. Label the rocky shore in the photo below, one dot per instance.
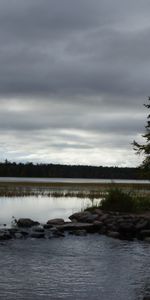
(112, 224)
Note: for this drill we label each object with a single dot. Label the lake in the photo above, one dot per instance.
(40, 208)
(30, 197)
(71, 180)
(72, 268)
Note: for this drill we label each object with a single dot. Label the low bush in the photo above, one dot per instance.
(121, 201)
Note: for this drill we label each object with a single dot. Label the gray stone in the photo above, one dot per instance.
(38, 229)
(47, 226)
(81, 232)
(141, 225)
(81, 216)
(75, 226)
(98, 224)
(25, 222)
(5, 236)
(104, 217)
(98, 211)
(18, 235)
(57, 221)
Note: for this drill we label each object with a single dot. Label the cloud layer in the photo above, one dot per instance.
(73, 78)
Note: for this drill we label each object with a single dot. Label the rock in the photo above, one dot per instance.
(104, 217)
(97, 225)
(57, 221)
(84, 217)
(127, 230)
(75, 226)
(47, 226)
(98, 211)
(18, 235)
(5, 236)
(38, 229)
(24, 233)
(147, 239)
(55, 232)
(144, 234)
(113, 234)
(80, 232)
(91, 218)
(25, 222)
(37, 235)
(58, 234)
(142, 224)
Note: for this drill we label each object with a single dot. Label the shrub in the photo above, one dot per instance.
(118, 200)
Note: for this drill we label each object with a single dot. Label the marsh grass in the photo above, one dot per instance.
(125, 201)
(113, 196)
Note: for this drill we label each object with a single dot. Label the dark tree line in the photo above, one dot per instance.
(12, 169)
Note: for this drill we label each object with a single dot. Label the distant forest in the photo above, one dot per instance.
(12, 169)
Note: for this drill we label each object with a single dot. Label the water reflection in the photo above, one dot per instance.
(40, 208)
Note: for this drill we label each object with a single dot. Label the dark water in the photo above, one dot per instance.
(92, 267)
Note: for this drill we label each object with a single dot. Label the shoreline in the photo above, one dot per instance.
(116, 225)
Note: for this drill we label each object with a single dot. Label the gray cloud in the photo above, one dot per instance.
(81, 67)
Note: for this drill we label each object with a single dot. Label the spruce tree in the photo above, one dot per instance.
(145, 148)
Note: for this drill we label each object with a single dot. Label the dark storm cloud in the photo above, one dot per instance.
(74, 48)
(81, 66)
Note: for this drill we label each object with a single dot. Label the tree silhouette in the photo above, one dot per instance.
(145, 148)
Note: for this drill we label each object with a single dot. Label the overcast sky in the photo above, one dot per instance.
(73, 79)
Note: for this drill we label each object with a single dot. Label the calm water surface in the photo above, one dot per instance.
(70, 180)
(39, 208)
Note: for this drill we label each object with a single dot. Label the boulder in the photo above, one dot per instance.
(25, 222)
(85, 217)
(127, 230)
(57, 221)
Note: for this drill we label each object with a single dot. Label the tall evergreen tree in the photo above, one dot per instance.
(145, 148)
